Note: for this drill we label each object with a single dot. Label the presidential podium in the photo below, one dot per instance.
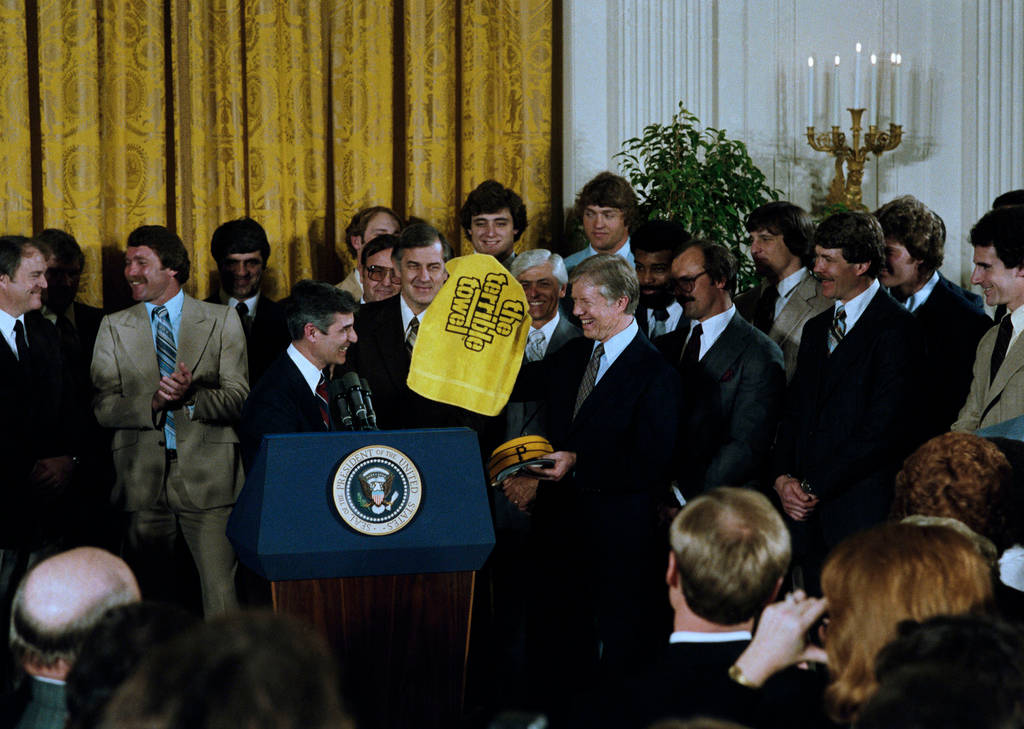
(374, 537)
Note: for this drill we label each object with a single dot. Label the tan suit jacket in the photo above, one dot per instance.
(351, 284)
(1004, 399)
(125, 373)
(803, 304)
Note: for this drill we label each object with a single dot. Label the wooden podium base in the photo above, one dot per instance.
(402, 641)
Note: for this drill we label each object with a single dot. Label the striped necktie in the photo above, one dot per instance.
(321, 400)
(837, 331)
(412, 333)
(589, 378)
(166, 354)
(535, 346)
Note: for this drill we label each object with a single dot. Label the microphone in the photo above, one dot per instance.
(371, 414)
(350, 382)
(338, 398)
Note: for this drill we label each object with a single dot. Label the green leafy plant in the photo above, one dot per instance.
(699, 178)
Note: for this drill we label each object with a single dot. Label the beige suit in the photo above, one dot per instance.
(201, 485)
(1004, 399)
(803, 304)
(351, 284)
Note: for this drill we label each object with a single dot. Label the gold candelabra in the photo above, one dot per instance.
(847, 189)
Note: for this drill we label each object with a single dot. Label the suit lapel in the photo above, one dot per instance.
(391, 344)
(726, 348)
(137, 335)
(857, 340)
(194, 333)
(1013, 363)
(613, 380)
(794, 310)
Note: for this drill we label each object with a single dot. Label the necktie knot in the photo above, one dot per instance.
(535, 345)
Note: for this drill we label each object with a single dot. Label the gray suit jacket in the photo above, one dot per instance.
(804, 303)
(1004, 399)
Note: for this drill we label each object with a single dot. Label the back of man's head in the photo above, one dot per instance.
(60, 600)
(731, 550)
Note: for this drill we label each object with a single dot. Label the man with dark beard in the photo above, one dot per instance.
(653, 246)
(733, 373)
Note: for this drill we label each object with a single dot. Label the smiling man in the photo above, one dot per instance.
(654, 244)
(494, 218)
(606, 206)
(377, 270)
(170, 376)
(241, 250)
(997, 390)
(293, 398)
(853, 409)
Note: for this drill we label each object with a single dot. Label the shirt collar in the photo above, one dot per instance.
(625, 252)
(307, 369)
(785, 286)
(614, 346)
(231, 301)
(921, 295)
(856, 306)
(173, 306)
(688, 636)
(7, 324)
(712, 328)
(408, 314)
(548, 330)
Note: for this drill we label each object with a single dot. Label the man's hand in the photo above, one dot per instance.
(52, 473)
(796, 502)
(173, 389)
(521, 491)
(564, 462)
(781, 637)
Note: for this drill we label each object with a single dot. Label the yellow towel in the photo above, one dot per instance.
(472, 337)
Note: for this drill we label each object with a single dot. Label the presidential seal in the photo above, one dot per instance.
(377, 490)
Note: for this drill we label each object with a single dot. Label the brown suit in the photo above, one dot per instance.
(1004, 399)
(202, 484)
(351, 284)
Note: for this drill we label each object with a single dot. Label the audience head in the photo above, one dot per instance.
(59, 601)
(64, 268)
(960, 476)
(111, 652)
(781, 235)
(654, 244)
(999, 256)
(493, 218)
(730, 551)
(848, 252)
(376, 269)
(607, 206)
(1013, 197)
(320, 321)
(605, 293)
(914, 240)
(241, 249)
(368, 223)
(704, 275)
(880, 577)
(543, 277)
(253, 670)
(22, 274)
(419, 257)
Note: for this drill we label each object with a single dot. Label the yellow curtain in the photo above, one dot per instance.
(297, 113)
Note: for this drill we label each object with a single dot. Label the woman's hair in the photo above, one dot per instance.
(884, 575)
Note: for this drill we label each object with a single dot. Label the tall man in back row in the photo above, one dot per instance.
(494, 218)
(853, 408)
(606, 206)
(612, 412)
(170, 375)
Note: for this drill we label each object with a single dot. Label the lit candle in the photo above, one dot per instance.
(856, 78)
(837, 119)
(810, 91)
(892, 88)
(873, 98)
(897, 114)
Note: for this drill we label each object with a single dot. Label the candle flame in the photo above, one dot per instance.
(892, 58)
(874, 59)
(899, 59)
(837, 60)
(858, 47)
(810, 61)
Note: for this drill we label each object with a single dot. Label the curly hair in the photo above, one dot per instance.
(913, 224)
(960, 476)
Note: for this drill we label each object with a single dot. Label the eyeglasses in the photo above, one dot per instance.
(687, 282)
(377, 273)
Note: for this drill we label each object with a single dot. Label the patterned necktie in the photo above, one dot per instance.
(764, 314)
(589, 378)
(837, 331)
(1002, 344)
(243, 313)
(321, 400)
(166, 353)
(24, 360)
(535, 346)
(412, 333)
(660, 318)
(691, 355)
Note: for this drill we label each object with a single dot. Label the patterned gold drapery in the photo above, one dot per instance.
(295, 112)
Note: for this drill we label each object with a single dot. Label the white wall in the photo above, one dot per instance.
(741, 65)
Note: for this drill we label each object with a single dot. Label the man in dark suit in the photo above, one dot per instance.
(37, 438)
(388, 329)
(729, 553)
(293, 397)
(952, 320)
(612, 411)
(788, 295)
(733, 372)
(654, 246)
(241, 249)
(853, 410)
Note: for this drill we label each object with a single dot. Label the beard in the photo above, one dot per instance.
(660, 299)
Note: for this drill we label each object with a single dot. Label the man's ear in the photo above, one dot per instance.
(672, 574)
(775, 590)
(862, 267)
(309, 331)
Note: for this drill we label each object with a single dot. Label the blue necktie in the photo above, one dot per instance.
(166, 354)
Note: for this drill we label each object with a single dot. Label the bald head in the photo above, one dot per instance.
(60, 600)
